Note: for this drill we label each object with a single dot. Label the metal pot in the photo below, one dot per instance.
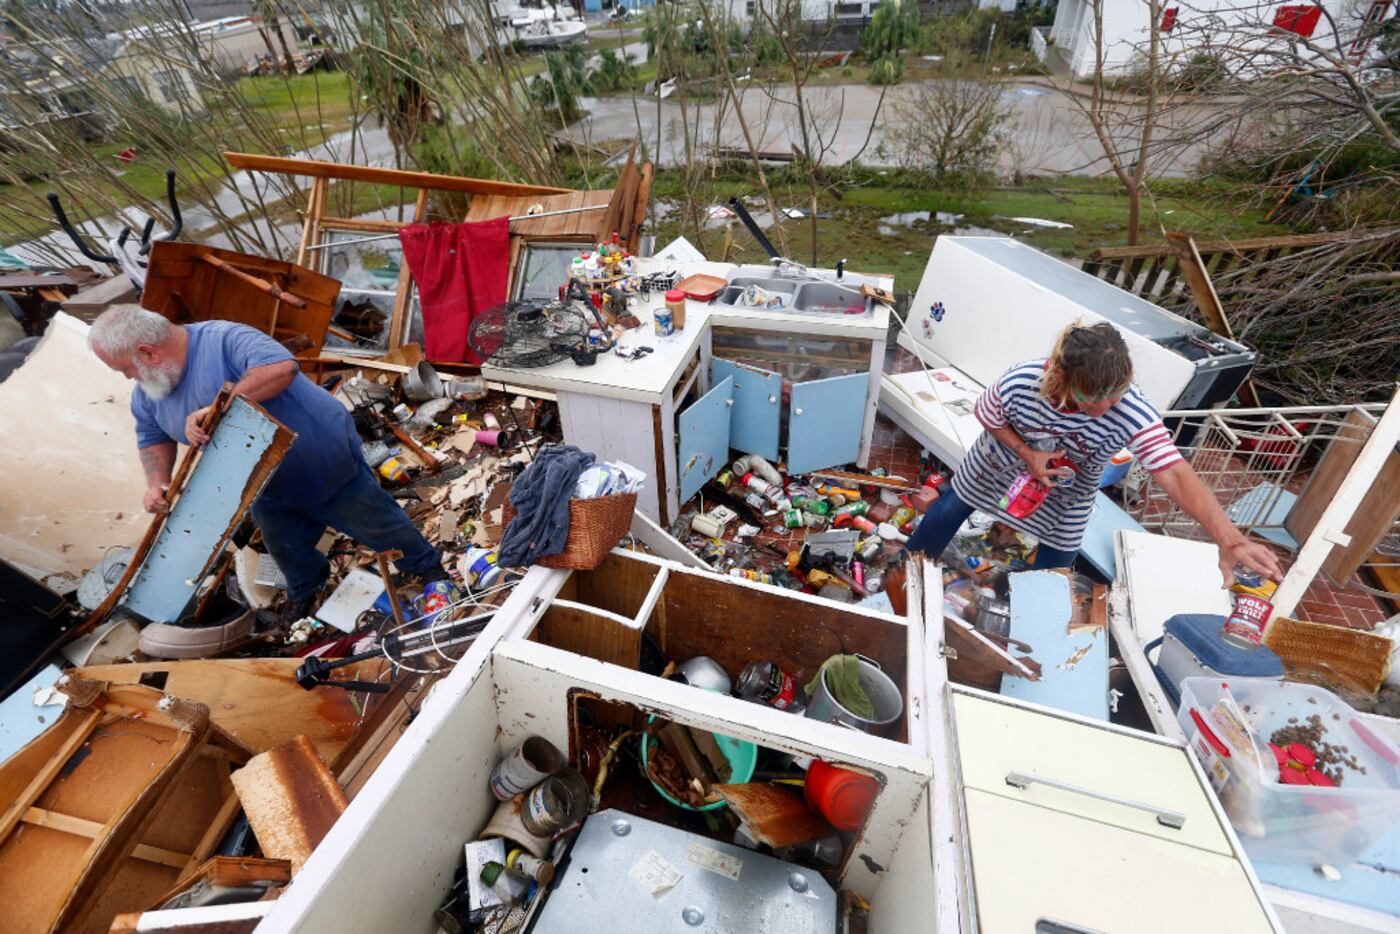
(703, 672)
(422, 383)
(884, 695)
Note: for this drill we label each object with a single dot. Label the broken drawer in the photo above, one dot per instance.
(1122, 779)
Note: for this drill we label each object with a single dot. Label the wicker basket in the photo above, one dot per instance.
(1358, 659)
(595, 527)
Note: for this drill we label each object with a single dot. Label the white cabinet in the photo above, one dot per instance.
(1093, 828)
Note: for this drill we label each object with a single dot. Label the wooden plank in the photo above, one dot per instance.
(363, 173)
(641, 200)
(776, 814)
(91, 829)
(619, 585)
(403, 290)
(599, 635)
(1373, 518)
(583, 225)
(80, 727)
(231, 871)
(314, 207)
(34, 281)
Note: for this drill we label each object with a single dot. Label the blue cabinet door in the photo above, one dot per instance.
(825, 421)
(704, 438)
(758, 405)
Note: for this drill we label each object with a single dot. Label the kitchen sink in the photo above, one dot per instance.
(806, 294)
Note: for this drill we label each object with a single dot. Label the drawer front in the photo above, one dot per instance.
(1033, 864)
(1085, 771)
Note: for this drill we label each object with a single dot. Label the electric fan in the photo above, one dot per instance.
(524, 334)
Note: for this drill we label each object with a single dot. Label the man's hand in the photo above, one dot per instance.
(194, 426)
(1256, 556)
(155, 501)
(1039, 464)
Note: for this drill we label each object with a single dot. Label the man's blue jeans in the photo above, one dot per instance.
(947, 515)
(361, 509)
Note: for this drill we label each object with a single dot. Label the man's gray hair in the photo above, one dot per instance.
(120, 329)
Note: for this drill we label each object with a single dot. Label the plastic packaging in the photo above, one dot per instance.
(1294, 823)
(1026, 493)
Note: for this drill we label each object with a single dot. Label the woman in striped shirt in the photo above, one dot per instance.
(1079, 404)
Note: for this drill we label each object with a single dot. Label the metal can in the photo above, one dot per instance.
(1245, 625)
(478, 567)
(393, 470)
(662, 322)
(556, 804)
(402, 412)
(523, 864)
(436, 597)
(525, 767)
(793, 519)
(766, 683)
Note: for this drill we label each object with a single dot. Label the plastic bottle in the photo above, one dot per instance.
(1026, 493)
(902, 516)
(766, 683)
(858, 508)
(763, 487)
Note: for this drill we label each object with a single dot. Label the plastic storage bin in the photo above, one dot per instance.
(1295, 823)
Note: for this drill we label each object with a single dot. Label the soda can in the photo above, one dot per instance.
(436, 597)
(525, 767)
(662, 323)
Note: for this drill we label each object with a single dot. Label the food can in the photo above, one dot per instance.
(393, 470)
(1245, 624)
(525, 767)
(662, 322)
(523, 864)
(556, 804)
(436, 597)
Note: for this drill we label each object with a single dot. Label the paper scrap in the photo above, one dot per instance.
(654, 874)
(723, 864)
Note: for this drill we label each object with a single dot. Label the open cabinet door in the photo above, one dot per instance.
(825, 421)
(758, 395)
(704, 438)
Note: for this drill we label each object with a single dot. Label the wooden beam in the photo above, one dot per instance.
(1251, 244)
(91, 829)
(312, 168)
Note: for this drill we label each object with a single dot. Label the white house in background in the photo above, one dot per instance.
(228, 45)
(1069, 43)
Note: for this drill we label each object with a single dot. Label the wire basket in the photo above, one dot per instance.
(1358, 660)
(595, 527)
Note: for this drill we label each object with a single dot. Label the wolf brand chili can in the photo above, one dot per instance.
(1244, 627)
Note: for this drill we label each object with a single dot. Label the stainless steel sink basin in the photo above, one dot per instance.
(807, 294)
(830, 299)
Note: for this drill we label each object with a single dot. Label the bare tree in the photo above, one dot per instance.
(953, 129)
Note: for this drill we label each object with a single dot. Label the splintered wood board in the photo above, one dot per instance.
(776, 814)
(257, 700)
(291, 800)
(245, 449)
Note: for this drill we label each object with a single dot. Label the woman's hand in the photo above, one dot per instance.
(1039, 464)
(1256, 556)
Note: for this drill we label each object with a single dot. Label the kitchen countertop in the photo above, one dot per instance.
(648, 378)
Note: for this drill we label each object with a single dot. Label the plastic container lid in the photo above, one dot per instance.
(1200, 633)
(841, 796)
(675, 295)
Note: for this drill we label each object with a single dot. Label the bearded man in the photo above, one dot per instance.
(322, 481)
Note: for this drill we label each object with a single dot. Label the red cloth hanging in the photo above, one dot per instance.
(460, 271)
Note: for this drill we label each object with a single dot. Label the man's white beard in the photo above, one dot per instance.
(157, 382)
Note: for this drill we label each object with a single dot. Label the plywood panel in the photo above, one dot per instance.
(619, 585)
(736, 624)
(257, 700)
(583, 225)
(74, 482)
(592, 635)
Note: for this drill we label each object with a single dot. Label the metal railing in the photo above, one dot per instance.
(1258, 462)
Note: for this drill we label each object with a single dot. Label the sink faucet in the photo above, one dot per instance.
(786, 267)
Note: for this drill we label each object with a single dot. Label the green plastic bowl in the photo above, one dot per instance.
(742, 756)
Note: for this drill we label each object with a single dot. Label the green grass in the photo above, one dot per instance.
(1097, 208)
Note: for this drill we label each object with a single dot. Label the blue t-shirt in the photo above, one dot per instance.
(326, 453)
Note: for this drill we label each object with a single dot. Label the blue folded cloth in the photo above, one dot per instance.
(540, 497)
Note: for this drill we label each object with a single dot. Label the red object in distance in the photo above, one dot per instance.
(1300, 18)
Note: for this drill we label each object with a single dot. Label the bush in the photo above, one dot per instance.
(614, 73)
(952, 131)
(888, 69)
(894, 26)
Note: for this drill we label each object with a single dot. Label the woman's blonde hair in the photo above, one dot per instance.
(1091, 359)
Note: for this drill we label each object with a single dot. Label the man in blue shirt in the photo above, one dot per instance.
(323, 480)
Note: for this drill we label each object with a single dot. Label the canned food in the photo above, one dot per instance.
(662, 322)
(393, 470)
(1245, 625)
